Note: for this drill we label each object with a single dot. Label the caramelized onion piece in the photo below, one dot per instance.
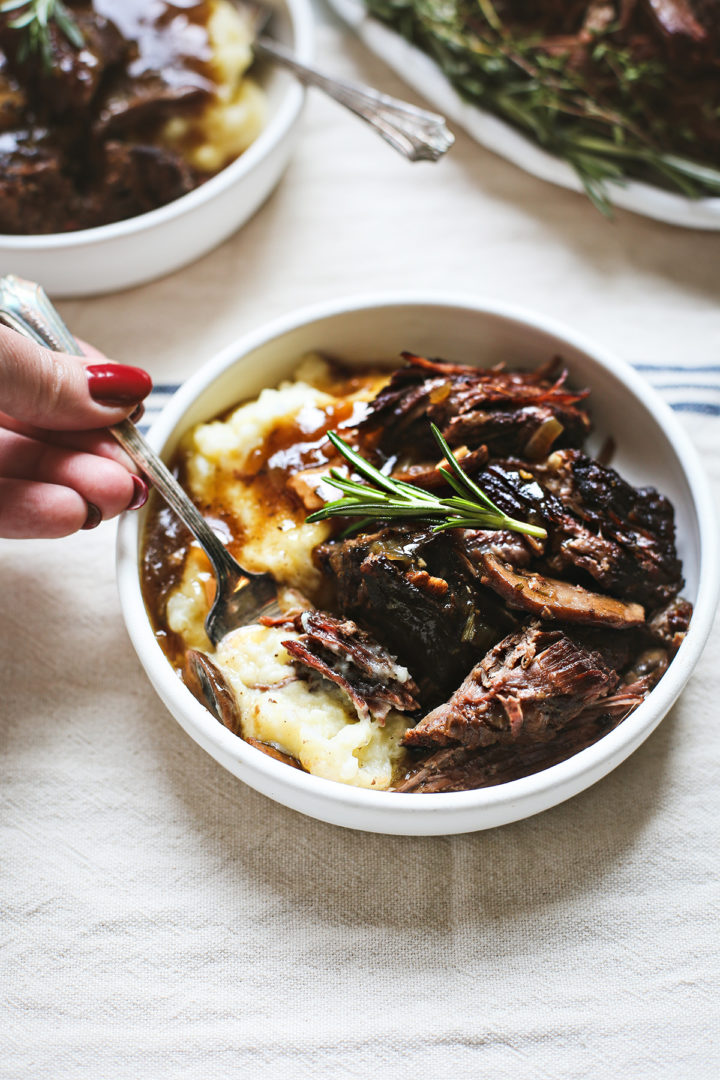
(553, 599)
(539, 444)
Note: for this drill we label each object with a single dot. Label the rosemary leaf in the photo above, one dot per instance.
(383, 499)
(33, 23)
(610, 108)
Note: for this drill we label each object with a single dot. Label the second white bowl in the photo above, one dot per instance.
(130, 252)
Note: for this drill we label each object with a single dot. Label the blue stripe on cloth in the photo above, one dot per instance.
(678, 367)
(706, 407)
(712, 389)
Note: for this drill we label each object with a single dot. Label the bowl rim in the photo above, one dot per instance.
(568, 777)
(273, 133)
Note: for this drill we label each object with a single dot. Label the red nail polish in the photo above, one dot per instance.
(140, 494)
(117, 384)
(94, 517)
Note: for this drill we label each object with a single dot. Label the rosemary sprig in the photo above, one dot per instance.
(611, 117)
(33, 20)
(382, 497)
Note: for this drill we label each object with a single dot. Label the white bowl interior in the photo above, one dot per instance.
(651, 449)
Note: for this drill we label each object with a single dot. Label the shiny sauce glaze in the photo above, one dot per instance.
(171, 38)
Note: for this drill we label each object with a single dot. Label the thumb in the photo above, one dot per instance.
(64, 393)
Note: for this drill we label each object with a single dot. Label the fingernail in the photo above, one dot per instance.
(94, 517)
(117, 384)
(140, 494)
(137, 414)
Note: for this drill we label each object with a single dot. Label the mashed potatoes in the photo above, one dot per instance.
(226, 465)
(225, 127)
(314, 723)
(273, 538)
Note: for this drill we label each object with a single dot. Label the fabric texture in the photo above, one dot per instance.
(163, 920)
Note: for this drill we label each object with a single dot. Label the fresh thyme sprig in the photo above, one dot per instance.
(33, 20)
(387, 499)
(608, 117)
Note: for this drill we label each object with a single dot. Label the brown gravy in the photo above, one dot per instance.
(290, 448)
(168, 37)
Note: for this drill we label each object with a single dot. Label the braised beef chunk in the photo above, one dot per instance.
(417, 592)
(531, 684)
(35, 193)
(530, 430)
(431, 477)
(637, 523)
(138, 178)
(598, 524)
(104, 104)
(506, 411)
(458, 768)
(133, 103)
(340, 651)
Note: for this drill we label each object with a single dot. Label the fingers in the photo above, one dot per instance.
(62, 393)
(41, 511)
(90, 442)
(87, 480)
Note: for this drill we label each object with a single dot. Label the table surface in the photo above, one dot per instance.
(161, 919)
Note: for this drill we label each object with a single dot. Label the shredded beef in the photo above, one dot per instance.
(532, 683)
(499, 409)
(458, 768)
(338, 650)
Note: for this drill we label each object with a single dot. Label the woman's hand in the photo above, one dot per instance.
(59, 469)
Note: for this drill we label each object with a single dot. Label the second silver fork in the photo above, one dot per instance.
(417, 134)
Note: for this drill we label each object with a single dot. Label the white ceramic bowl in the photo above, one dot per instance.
(651, 448)
(127, 253)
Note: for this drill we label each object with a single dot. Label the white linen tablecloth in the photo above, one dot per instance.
(160, 919)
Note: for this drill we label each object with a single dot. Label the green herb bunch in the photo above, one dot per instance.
(385, 499)
(607, 114)
(32, 19)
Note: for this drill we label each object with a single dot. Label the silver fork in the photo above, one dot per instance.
(241, 596)
(416, 133)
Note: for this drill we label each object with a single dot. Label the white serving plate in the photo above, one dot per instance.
(652, 448)
(130, 252)
(417, 69)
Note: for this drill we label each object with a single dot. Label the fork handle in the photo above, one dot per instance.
(25, 307)
(418, 134)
